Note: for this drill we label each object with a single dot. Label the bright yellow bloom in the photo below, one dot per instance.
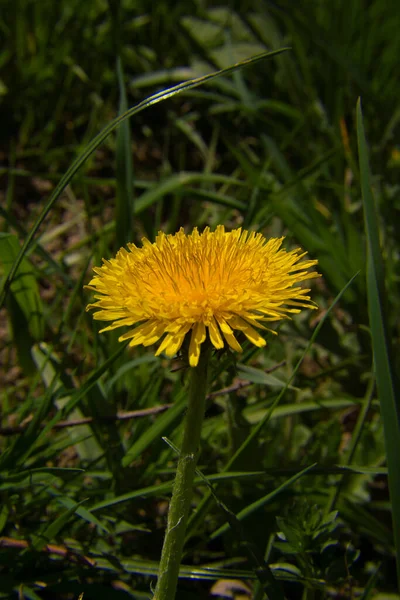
(211, 282)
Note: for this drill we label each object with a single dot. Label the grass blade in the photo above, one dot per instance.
(385, 377)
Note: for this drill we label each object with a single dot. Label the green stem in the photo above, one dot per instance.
(171, 555)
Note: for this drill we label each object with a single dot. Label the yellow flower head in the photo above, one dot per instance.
(211, 282)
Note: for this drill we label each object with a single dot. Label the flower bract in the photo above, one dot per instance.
(214, 283)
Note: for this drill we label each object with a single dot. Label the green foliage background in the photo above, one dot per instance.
(293, 444)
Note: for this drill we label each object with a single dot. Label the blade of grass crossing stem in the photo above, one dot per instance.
(385, 377)
(124, 170)
(150, 568)
(102, 136)
(198, 516)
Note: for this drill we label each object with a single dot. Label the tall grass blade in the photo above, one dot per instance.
(385, 377)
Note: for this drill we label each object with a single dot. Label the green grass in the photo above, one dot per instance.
(120, 119)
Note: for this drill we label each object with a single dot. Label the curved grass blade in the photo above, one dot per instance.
(99, 139)
(385, 377)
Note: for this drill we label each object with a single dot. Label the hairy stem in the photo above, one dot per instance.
(171, 555)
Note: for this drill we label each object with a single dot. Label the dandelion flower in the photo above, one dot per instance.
(215, 283)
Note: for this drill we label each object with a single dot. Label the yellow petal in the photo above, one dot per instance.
(140, 330)
(170, 345)
(120, 323)
(147, 333)
(228, 335)
(109, 315)
(215, 335)
(252, 334)
(172, 342)
(197, 338)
